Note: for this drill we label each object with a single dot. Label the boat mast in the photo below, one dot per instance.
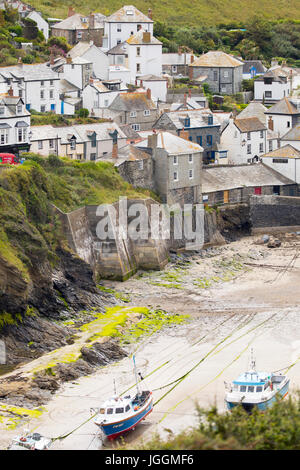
(136, 377)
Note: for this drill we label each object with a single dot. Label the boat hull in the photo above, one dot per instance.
(263, 405)
(113, 430)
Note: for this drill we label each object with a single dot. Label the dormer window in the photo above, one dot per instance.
(210, 120)
(187, 122)
(119, 29)
(73, 143)
(129, 12)
(19, 108)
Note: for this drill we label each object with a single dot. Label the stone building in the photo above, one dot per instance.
(77, 28)
(222, 72)
(201, 125)
(136, 109)
(177, 167)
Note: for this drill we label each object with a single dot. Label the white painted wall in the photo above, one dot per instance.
(281, 122)
(279, 90)
(33, 96)
(99, 60)
(150, 60)
(119, 73)
(291, 169)
(115, 36)
(158, 88)
(93, 99)
(41, 23)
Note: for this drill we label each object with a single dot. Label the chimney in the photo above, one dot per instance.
(69, 59)
(71, 12)
(184, 134)
(114, 153)
(148, 94)
(271, 124)
(150, 13)
(184, 100)
(20, 63)
(146, 36)
(10, 91)
(91, 80)
(152, 141)
(190, 92)
(91, 21)
(192, 58)
(141, 86)
(191, 73)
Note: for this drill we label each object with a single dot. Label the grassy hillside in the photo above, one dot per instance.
(184, 12)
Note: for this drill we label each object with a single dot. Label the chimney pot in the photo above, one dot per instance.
(152, 141)
(69, 59)
(10, 91)
(71, 12)
(192, 58)
(146, 36)
(184, 134)
(271, 123)
(148, 94)
(115, 150)
(150, 13)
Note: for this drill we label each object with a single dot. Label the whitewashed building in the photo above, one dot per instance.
(244, 139)
(36, 84)
(285, 160)
(271, 87)
(122, 24)
(144, 55)
(77, 71)
(98, 95)
(94, 55)
(157, 85)
(14, 124)
(292, 137)
(283, 116)
(42, 24)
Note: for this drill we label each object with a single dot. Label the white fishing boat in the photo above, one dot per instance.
(118, 415)
(33, 441)
(256, 389)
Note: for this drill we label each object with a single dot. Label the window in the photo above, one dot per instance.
(93, 157)
(226, 74)
(261, 134)
(51, 143)
(259, 389)
(106, 103)
(3, 136)
(127, 408)
(133, 114)
(191, 174)
(280, 160)
(2, 110)
(215, 76)
(51, 94)
(276, 190)
(288, 124)
(73, 144)
(175, 160)
(72, 66)
(139, 26)
(248, 148)
(43, 108)
(21, 135)
(147, 112)
(135, 127)
(102, 411)
(268, 94)
(119, 41)
(79, 34)
(119, 28)
(20, 93)
(40, 144)
(210, 120)
(261, 147)
(209, 140)
(19, 108)
(187, 122)
(94, 142)
(174, 68)
(141, 165)
(175, 176)
(270, 145)
(119, 410)
(138, 68)
(51, 82)
(138, 51)
(42, 94)
(190, 158)
(42, 83)
(109, 411)
(199, 139)
(251, 389)
(248, 135)
(243, 388)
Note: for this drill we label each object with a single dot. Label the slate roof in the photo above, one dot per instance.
(75, 22)
(65, 86)
(151, 78)
(197, 118)
(284, 106)
(293, 134)
(80, 131)
(254, 109)
(173, 144)
(249, 124)
(287, 151)
(129, 132)
(257, 64)
(119, 49)
(81, 48)
(216, 59)
(176, 59)
(121, 16)
(132, 102)
(226, 177)
(278, 75)
(29, 72)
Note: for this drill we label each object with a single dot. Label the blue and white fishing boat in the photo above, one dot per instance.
(118, 415)
(256, 389)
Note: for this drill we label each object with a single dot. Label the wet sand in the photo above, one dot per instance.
(258, 309)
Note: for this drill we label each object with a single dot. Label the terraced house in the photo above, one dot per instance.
(136, 109)
(14, 124)
(222, 72)
(199, 126)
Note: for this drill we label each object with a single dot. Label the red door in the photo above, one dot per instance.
(257, 190)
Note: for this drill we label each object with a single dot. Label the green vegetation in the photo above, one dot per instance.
(41, 119)
(275, 429)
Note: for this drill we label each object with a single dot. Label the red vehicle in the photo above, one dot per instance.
(9, 158)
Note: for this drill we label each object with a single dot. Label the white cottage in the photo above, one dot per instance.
(144, 55)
